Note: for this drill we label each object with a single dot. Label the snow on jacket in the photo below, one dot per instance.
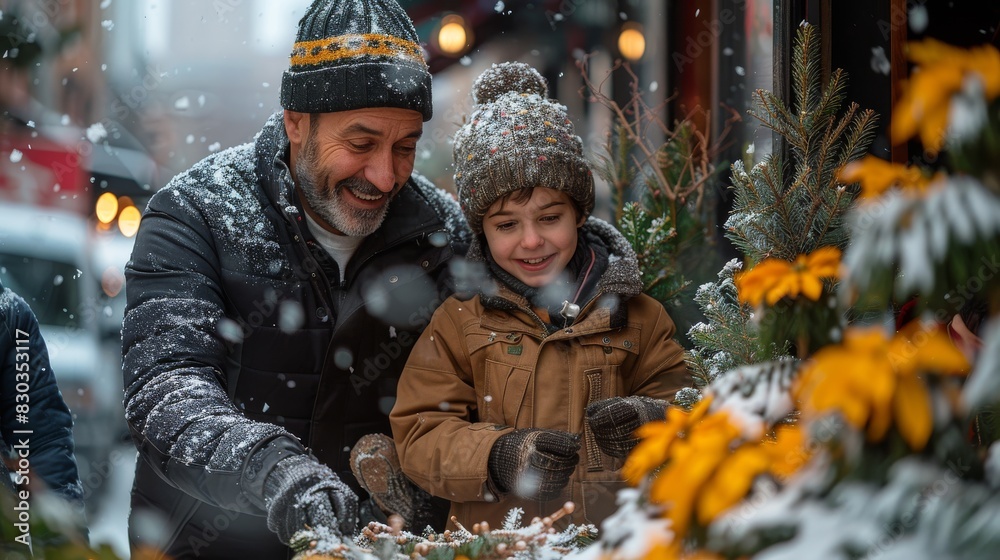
(240, 340)
(34, 419)
(485, 366)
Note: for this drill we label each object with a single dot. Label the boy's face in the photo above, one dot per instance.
(533, 240)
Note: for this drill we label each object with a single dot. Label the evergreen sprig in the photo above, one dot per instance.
(728, 339)
(782, 216)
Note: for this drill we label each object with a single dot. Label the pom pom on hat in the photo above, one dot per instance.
(508, 77)
(517, 138)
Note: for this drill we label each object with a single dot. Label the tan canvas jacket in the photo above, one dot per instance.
(479, 371)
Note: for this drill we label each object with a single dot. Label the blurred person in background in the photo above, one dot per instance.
(35, 425)
(274, 293)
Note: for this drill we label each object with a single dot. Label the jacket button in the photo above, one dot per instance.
(393, 279)
(569, 331)
(321, 313)
(296, 238)
(425, 264)
(607, 349)
(627, 344)
(607, 340)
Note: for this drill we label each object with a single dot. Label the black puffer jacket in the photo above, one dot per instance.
(240, 340)
(35, 423)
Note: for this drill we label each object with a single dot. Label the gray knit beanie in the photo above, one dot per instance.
(356, 54)
(517, 138)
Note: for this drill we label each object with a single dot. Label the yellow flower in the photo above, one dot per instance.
(773, 279)
(693, 460)
(731, 481)
(787, 452)
(656, 438)
(877, 176)
(926, 99)
(873, 380)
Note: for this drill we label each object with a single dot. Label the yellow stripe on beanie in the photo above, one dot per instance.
(306, 53)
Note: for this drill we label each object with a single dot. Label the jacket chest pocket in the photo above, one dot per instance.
(608, 355)
(505, 398)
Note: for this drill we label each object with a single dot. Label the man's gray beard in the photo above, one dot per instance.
(332, 209)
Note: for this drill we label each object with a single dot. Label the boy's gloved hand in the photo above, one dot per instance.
(301, 492)
(534, 463)
(614, 421)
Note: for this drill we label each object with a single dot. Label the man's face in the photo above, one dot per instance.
(350, 164)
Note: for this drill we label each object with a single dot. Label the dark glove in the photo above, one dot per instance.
(533, 463)
(614, 421)
(375, 465)
(301, 492)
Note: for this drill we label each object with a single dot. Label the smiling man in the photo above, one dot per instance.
(274, 293)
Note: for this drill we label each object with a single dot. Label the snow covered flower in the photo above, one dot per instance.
(709, 470)
(693, 459)
(926, 102)
(656, 438)
(874, 381)
(773, 279)
(877, 176)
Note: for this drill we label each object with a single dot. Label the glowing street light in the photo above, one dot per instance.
(631, 41)
(106, 208)
(453, 35)
(128, 221)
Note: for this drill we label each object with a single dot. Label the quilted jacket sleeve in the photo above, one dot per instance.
(176, 403)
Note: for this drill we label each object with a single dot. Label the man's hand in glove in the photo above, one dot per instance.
(534, 463)
(614, 421)
(301, 492)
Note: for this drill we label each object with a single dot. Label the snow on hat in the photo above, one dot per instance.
(356, 54)
(517, 138)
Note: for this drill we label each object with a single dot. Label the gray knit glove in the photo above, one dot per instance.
(534, 463)
(301, 492)
(614, 421)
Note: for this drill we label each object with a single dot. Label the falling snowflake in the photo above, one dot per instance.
(918, 18)
(880, 62)
(15, 156)
(108, 24)
(498, 8)
(96, 132)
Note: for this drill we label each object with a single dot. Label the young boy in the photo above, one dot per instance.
(527, 394)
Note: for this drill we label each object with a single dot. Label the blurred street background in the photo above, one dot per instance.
(103, 101)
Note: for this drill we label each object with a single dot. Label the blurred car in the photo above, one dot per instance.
(45, 256)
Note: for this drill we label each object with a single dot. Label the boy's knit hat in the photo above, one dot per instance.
(356, 54)
(517, 138)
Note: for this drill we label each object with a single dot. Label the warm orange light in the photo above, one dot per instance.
(453, 35)
(631, 41)
(128, 221)
(107, 208)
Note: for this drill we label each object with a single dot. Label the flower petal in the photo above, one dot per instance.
(912, 410)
